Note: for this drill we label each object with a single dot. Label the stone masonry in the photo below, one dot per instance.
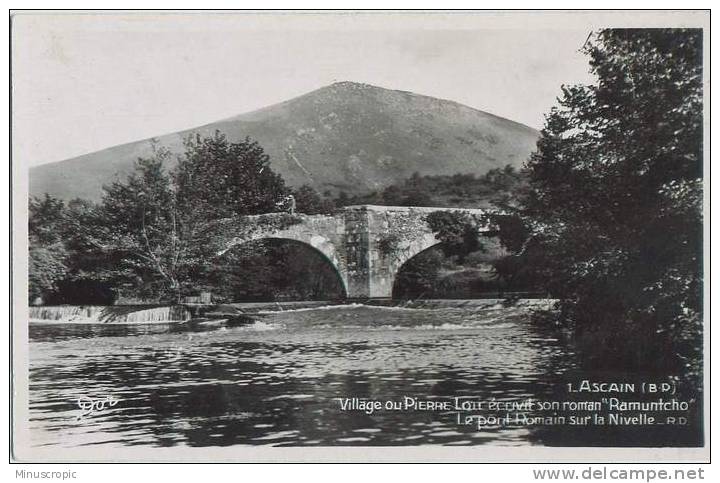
(366, 244)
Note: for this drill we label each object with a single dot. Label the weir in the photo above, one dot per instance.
(117, 314)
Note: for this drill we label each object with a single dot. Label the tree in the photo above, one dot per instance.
(141, 232)
(613, 211)
(496, 188)
(46, 269)
(45, 220)
(343, 199)
(224, 179)
(458, 232)
(47, 257)
(310, 202)
(159, 232)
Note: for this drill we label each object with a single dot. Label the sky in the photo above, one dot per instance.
(82, 83)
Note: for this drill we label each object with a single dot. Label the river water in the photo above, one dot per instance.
(280, 380)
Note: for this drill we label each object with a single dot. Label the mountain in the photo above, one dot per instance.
(343, 137)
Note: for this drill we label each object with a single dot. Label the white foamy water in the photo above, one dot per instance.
(112, 314)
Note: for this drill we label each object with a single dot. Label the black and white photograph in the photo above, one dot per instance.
(360, 235)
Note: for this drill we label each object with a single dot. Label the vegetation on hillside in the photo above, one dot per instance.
(496, 188)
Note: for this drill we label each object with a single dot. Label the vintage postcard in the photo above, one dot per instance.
(339, 236)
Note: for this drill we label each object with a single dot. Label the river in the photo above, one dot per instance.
(280, 380)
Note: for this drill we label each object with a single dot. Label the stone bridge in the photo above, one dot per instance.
(366, 244)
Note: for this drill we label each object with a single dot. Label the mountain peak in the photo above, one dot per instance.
(347, 136)
(351, 85)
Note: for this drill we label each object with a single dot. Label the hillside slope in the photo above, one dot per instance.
(344, 137)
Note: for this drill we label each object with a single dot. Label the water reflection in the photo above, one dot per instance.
(277, 382)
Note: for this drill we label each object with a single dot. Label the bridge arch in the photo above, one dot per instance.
(420, 247)
(318, 248)
(318, 232)
(412, 249)
(384, 273)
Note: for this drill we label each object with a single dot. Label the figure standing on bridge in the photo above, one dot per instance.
(291, 204)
